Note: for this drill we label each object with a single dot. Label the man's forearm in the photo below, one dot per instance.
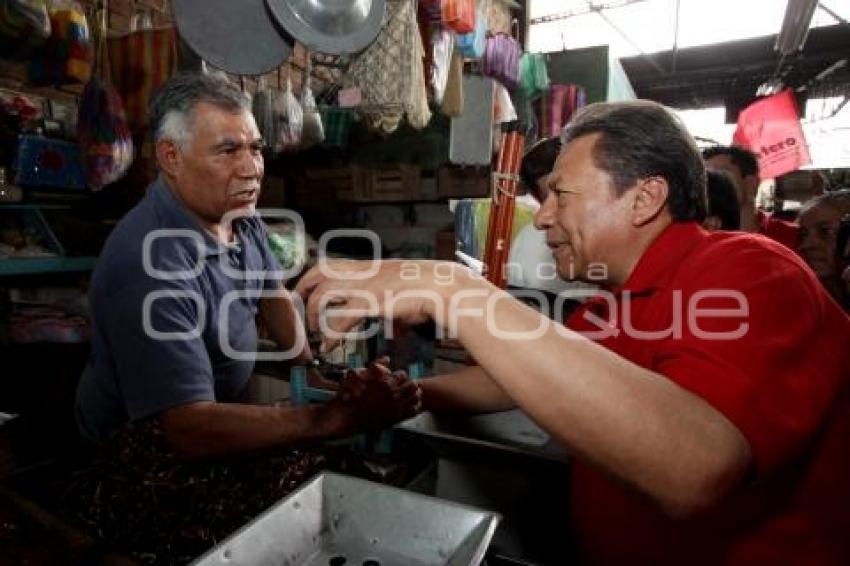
(469, 390)
(204, 429)
(635, 424)
(285, 325)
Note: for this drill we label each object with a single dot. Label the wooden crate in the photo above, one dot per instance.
(463, 182)
(399, 183)
(317, 186)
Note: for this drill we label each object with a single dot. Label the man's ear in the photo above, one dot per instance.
(751, 186)
(168, 156)
(650, 198)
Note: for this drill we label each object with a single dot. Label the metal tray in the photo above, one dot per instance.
(337, 520)
(500, 433)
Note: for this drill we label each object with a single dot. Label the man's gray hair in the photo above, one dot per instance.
(837, 198)
(172, 105)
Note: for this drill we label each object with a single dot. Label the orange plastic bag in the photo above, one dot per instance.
(770, 127)
(459, 15)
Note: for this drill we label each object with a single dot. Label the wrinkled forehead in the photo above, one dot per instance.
(823, 213)
(577, 153)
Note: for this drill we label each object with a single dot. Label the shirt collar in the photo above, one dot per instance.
(656, 266)
(179, 217)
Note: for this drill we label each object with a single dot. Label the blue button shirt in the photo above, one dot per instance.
(168, 305)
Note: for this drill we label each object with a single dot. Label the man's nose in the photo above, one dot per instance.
(251, 165)
(545, 215)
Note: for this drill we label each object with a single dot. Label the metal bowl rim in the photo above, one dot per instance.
(316, 40)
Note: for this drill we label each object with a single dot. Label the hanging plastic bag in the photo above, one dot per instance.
(501, 60)
(503, 107)
(289, 119)
(102, 129)
(458, 15)
(67, 54)
(442, 42)
(263, 110)
(472, 44)
(312, 132)
(770, 127)
(534, 75)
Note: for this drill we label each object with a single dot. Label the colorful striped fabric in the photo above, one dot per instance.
(140, 62)
(556, 107)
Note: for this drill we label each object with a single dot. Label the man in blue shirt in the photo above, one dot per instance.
(177, 288)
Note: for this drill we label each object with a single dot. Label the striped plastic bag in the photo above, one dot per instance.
(102, 129)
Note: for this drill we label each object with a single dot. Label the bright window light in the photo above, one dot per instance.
(650, 24)
(708, 125)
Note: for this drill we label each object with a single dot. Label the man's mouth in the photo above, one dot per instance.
(245, 195)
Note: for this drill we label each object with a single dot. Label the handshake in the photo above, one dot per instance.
(374, 398)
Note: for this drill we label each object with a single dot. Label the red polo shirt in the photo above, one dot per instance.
(777, 229)
(784, 384)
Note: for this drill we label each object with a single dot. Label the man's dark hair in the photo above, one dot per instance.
(641, 139)
(538, 162)
(172, 104)
(745, 160)
(723, 200)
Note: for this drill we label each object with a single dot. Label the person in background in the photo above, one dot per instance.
(179, 285)
(718, 439)
(724, 213)
(536, 165)
(842, 253)
(742, 165)
(819, 223)
(797, 186)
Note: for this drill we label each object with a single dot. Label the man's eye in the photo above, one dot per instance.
(540, 195)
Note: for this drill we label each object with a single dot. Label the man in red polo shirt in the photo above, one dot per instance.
(708, 424)
(742, 166)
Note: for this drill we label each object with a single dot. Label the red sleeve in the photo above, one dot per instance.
(777, 382)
